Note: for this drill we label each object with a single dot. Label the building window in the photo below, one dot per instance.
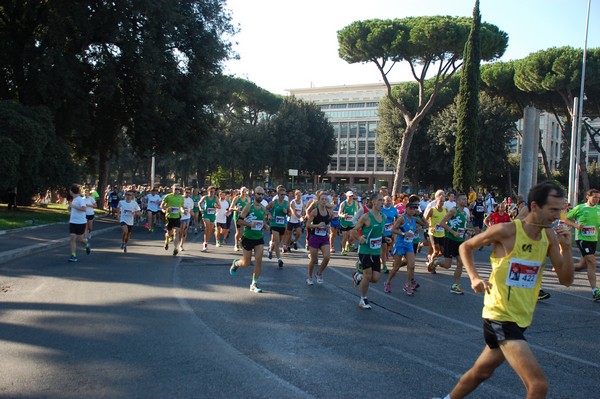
(343, 130)
(352, 164)
(371, 149)
(372, 127)
(352, 147)
(356, 105)
(372, 105)
(380, 164)
(342, 164)
(361, 164)
(370, 164)
(337, 106)
(336, 129)
(343, 147)
(361, 147)
(362, 129)
(333, 164)
(353, 129)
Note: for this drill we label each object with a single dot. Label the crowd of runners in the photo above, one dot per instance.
(383, 230)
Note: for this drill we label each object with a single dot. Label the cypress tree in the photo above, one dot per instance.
(468, 110)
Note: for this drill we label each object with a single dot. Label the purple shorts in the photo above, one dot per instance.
(315, 241)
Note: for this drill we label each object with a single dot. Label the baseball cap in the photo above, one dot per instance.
(349, 193)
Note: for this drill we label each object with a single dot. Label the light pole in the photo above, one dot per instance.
(578, 112)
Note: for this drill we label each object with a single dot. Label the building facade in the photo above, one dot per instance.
(352, 111)
(550, 136)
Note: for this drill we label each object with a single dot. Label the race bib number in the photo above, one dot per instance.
(336, 214)
(321, 231)
(479, 208)
(211, 211)
(387, 228)
(461, 232)
(523, 273)
(588, 231)
(279, 219)
(375, 243)
(126, 211)
(258, 225)
(438, 228)
(174, 210)
(349, 218)
(409, 236)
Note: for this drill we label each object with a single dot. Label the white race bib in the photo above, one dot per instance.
(438, 228)
(588, 231)
(409, 236)
(375, 243)
(279, 219)
(523, 273)
(211, 211)
(174, 210)
(461, 232)
(321, 231)
(387, 227)
(258, 225)
(349, 218)
(479, 208)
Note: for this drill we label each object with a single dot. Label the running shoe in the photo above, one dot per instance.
(280, 263)
(387, 287)
(431, 267)
(88, 249)
(358, 266)
(218, 243)
(255, 288)
(344, 252)
(309, 281)
(125, 249)
(204, 247)
(364, 303)
(414, 285)
(385, 269)
(455, 289)
(152, 230)
(408, 290)
(319, 278)
(171, 239)
(122, 245)
(236, 248)
(147, 226)
(295, 246)
(270, 254)
(543, 295)
(73, 258)
(166, 244)
(233, 268)
(332, 250)
(175, 252)
(596, 295)
(356, 278)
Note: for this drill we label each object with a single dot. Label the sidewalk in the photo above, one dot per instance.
(29, 240)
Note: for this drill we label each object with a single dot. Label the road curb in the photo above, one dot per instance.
(7, 256)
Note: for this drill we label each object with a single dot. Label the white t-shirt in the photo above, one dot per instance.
(298, 208)
(89, 205)
(77, 216)
(188, 205)
(127, 211)
(449, 205)
(221, 216)
(489, 204)
(153, 202)
(307, 197)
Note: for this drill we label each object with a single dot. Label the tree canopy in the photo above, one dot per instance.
(431, 45)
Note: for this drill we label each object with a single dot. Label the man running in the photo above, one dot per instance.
(90, 205)
(77, 222)
(348, 208)
(209, 205)
(253, 219)
(172, 204)
(434, 215)
(477, 208)
(278, 210)
(318, 221)
(371, 226)
(294, 225)
(237, 205)
(153, 212)
(586, 219)
(455, 224)
(518, 259)
(127, 210)
(186, 216)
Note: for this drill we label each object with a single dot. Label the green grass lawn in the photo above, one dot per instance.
(26, 216)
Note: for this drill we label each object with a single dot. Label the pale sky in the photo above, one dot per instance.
(291, 44)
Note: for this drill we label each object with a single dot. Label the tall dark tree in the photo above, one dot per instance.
(468, 110)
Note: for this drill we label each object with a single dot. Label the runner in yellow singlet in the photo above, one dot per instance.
(518, 259)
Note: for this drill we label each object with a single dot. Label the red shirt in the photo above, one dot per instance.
(496, 218)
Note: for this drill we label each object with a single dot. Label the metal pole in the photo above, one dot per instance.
(574, 154)
(581, 98)
(152, 171)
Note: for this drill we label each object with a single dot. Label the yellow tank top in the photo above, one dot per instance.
(516, 280)
(435, 229)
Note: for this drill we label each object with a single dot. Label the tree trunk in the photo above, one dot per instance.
(545, 160)
(102, 177)
(407, 137)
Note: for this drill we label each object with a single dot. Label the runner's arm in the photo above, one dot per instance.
(561, 255)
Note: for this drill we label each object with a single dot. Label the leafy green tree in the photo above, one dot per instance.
(497, 128)
(468, 110)
(433, 44)
(33, 158)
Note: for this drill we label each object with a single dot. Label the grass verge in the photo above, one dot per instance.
(25, 216)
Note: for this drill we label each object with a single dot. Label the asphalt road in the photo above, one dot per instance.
(149, 325)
